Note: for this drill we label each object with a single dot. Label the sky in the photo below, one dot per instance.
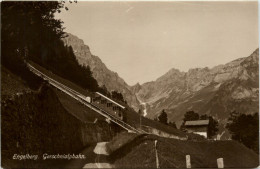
(141, 41)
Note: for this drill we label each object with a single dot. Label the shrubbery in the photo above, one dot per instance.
(245, 129)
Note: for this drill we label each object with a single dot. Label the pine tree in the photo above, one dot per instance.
(163, 117)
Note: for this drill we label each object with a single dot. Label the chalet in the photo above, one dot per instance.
(198, 127)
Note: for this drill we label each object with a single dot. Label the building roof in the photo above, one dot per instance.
(111, 100)
(197, 123)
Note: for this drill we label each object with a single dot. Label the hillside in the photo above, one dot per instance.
(11, 84)
(133, 151)
(86, 115)
(28, 116)
(216, 91)
(101, 73)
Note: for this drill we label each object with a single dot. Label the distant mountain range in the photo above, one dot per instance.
(216, 91)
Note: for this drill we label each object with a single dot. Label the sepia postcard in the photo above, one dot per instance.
(129, 84)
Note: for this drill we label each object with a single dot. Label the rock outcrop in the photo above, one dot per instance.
(101, 73)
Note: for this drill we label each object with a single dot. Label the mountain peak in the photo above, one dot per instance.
(171, 74)
(194, 70)
(174, 70)
(135, 88)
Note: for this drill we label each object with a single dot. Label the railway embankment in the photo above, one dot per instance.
(36, 123)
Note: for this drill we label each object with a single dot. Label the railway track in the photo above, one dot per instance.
(78, 96)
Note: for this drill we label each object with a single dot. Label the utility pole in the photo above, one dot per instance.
(141, 122)
(140, 114)
(156, 154)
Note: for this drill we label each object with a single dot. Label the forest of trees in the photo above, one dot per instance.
(163, 118)
(30, 32)
(245, 129)
(62, 61)
(118, 96)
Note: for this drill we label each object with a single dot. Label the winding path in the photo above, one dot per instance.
(100, 149)
(96, 157)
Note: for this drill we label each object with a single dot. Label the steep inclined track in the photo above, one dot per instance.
(77, 96)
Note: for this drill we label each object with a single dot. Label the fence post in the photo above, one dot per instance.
(156, 154)
(188, 164)
(220, 163)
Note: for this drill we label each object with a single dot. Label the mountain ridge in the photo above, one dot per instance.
(200, 89)
(104, 76)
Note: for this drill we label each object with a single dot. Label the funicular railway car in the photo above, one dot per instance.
(109, 105)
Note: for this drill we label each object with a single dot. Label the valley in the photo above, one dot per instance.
(68, 108)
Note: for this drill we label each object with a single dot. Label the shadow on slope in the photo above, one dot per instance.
(140, 152)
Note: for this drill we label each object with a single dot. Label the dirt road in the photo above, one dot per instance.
(96, 157)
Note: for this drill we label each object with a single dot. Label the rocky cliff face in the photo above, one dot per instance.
(101, 73)
(216, 91)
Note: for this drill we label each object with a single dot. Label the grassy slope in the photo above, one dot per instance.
(11, 84)
(120, 140)
(26, 124)
(28, 119)
(139, 151)
(87, 115)
(71, 105)
(77, 109)
(132, 117)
